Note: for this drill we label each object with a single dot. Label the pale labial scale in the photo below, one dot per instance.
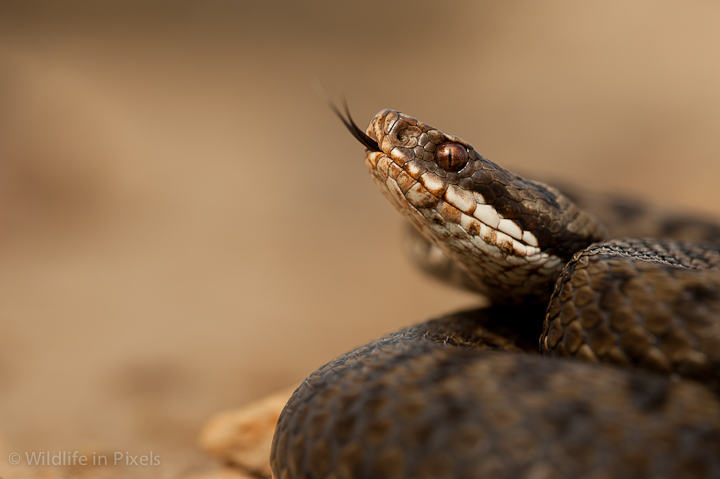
(486, 233)
(461, 199)
(468, 223)
(417, 194)
(487, 215)
(433, 183)
(503, 241)
(529, 239)
(509, 227)
(405, 182)
(413, 169)
(519, 249)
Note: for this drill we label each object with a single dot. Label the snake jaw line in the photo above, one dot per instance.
(506, 233)
(500, 256)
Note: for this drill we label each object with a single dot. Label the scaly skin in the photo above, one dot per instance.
(467, 395)
(436, 400)
(511, 236)
(652, 304)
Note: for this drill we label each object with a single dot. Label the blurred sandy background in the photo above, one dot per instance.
(185, 227)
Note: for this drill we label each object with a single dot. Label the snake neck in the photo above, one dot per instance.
(511, 236)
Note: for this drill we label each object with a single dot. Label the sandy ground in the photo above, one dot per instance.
(184, 226)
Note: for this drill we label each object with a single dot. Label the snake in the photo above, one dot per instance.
(597, 357)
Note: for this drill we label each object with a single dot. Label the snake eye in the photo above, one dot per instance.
(451, 156)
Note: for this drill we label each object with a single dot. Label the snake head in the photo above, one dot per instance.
(511, 236)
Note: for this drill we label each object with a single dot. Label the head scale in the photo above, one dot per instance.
(511, 236)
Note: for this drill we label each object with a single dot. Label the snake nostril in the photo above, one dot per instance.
(403, 135)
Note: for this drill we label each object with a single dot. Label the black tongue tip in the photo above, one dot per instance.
(352, 127)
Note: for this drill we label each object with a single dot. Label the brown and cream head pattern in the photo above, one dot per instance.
(511, 236)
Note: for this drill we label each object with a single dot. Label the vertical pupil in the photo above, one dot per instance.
(451, 157)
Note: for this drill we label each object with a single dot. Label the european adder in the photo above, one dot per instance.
(623, 383)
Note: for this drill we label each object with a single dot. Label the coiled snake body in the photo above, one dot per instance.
(634, 325)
